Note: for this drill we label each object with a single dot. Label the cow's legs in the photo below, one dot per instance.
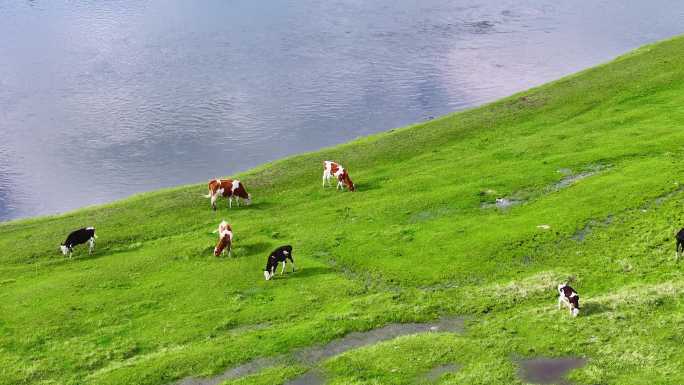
(213, 202)
(293, 265)
(560, 301)
(326, 177)
(92, 246)
(283, 269)
(230, 202)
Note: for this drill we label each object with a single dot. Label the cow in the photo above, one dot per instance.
(77, 237)
(225, 238)
(228, 188)
(568, 296)
(331, 169)
(680, 243)
(281, 254)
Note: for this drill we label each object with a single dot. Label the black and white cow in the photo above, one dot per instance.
(568, 296)
(680, 243)
(281, 254)
(77, 237)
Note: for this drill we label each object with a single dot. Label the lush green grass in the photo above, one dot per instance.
(153, 305)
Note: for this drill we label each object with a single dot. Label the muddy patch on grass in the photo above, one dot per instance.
(313, 355)
(502, 203)
(357, 340)
(312, 377)
(571, 178)
(246, 369)
(582, 233)
(549, 370)
(435, 373)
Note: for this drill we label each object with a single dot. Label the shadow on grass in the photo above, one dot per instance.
(368, 185)
(594, 308)
(254, 248)
(259, 205)
(301, 273)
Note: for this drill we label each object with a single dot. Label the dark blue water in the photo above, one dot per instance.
(99, 100)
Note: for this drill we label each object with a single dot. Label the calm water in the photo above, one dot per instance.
(99, 100)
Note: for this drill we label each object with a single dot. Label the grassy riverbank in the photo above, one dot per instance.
(596, 157)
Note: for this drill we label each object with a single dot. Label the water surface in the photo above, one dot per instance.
(99, 100)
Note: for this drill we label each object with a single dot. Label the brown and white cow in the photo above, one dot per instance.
(228, 188)
(225, 241)
(331, 169)
(568, 296)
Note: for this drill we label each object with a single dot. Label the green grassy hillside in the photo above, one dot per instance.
(597, 157)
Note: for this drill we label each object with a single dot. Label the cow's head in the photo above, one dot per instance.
(248, 200)
(575, 311)
(65, 250)
(344, 178)
(223, 242)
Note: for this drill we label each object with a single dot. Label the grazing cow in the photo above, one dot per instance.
(228, 188)
(225, 238)
(568, 296)
(281, 254)
(331, 169)
(77, 237)
(680, 243)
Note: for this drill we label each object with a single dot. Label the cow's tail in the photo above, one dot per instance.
(210, 193)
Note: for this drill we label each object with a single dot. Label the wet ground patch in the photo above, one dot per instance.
(438, 371)
(312, 377)
(243, 370)
(315, 354)
(549, 370)
(502, 203)
(360, 339)
(582, 233)
(570, 177)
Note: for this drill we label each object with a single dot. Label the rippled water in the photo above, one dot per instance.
(99, 100)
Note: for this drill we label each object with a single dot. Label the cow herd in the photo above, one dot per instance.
(233, 189)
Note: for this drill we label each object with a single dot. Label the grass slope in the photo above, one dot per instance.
(153, 305)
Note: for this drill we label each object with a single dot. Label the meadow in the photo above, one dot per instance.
(592, 164)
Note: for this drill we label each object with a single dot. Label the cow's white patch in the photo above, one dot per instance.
(219, 191)
(575, 312)
(573, 295)
(65, 250)
(285, 252)
(236, 185)
(90, 228)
